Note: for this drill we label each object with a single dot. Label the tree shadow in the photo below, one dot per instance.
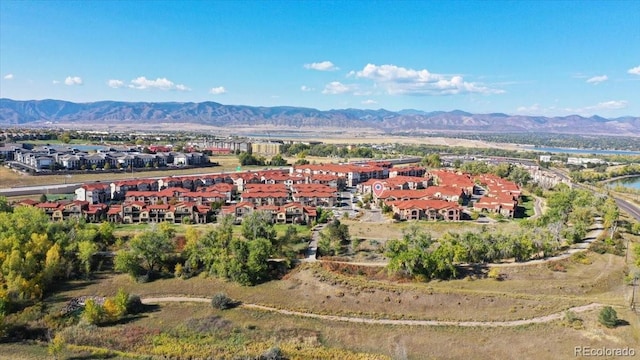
(92, 356)
(621, 322)
(474, 270)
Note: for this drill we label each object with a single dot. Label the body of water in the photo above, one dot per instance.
(632, 182)
(583, 151)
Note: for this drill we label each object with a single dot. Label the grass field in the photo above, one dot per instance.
(385, 231)
(526, 292)
(9, 178)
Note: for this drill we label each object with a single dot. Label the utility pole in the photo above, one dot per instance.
(633, 293)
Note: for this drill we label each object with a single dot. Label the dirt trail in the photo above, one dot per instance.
(536, 320)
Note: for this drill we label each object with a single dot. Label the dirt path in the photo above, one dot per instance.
(536, 320)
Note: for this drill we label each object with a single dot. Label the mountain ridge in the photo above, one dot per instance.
(25, 112)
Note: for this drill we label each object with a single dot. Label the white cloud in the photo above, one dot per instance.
(218, 90)
(597, 79)
(55, 82)
(73, 80)
(369, 102)
(322, 66)
(634, 70)
(535, 108)
(608, 105)
(114, 83)
(8, 77)
(336, 87)
(396, 80)
(305, 88)
(142, 83)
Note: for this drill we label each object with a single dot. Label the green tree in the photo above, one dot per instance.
(334, 239)
(277, 160)
(146, 253)
(4, 205)
(127, 262)
(56, 346)
(608, 317)
(86, 250)
(432, 160)
(258, 225)
(65, 137)
(93, 312)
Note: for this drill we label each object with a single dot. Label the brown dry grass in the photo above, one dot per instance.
(542, 341)
(9, 178)
(528, 291)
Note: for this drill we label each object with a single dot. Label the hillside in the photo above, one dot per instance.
(32, 112)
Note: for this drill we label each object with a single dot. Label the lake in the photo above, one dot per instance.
(630, 182)
(582, 151)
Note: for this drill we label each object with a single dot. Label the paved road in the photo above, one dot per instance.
(43, 189)
(628, 207)
(312, 250)
(352, 319)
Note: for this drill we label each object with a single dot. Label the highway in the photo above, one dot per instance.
(624, 205)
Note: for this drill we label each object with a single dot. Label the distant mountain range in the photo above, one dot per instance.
(32, 112)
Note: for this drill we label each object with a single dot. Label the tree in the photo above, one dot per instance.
(608, 317)
(43, 198)
(249, 159)
(221, 301)
(519, 175)
(86, 249)
(334, 238)
(105, 233)
(151, 248)
(611, 215)
(432, 160)
(93, 312)
(56, 345)
(285, 241)
(4, 205)
(127, 262)
(258, 225)
(65, 137)
(277, 160)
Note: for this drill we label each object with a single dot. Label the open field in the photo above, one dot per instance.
(527, 292)
(228, 163)
(8, 178)
(385, 231)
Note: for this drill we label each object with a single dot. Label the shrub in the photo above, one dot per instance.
(134, 305)
(494, 273)
(56, 346)
(573, 320)
(208, 324)
(221, 301)
(273, 353)
(608, 317)
(93, 312)
(178, 270)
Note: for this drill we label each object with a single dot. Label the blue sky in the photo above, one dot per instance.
(516, 57)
